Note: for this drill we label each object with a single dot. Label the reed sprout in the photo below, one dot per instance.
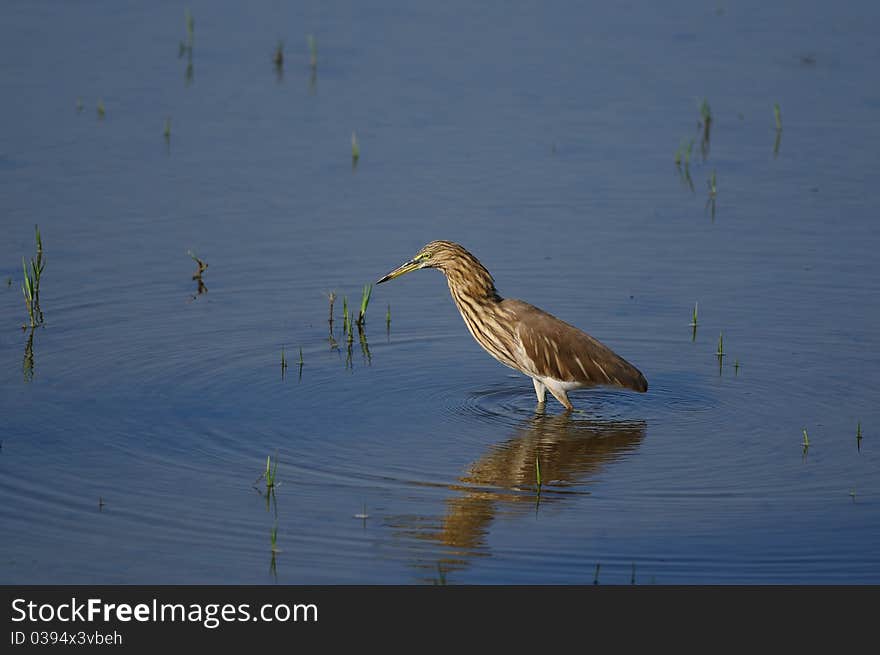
(269, 475)
(365, 301)
(30, 286)
(683, 153)
(186, 47)
(713, 191)
(278, 56)
(355, 149)
(706, 119)
(331, 296)
(705, 113)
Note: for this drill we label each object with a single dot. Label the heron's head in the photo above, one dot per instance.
(437, 254)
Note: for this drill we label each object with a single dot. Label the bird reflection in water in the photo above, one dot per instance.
(571, 451)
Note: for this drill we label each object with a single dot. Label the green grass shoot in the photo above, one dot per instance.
(538, 471)
(693, 322)
(859, 436)
(332, 298)
(30, 286)
(345, 326)
(806, 443)
(313, 51)
(270, 472)
(273, 539)
(186, 47)
(355, 148)
(720, 352)
(705, 114)
(683, 153)
(706, 118)
(387, 316)
(283, 361)
(736, 367)
(713, 189)
(777, 114)
(301, 360)
(365, 301)
(101, 110)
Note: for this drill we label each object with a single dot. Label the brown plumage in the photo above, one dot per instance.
(556, 355)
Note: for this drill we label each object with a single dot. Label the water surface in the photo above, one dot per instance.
(136, 421)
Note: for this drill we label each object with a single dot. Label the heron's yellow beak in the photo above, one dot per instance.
(411, 265)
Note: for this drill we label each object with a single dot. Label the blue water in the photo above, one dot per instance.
(542, 137)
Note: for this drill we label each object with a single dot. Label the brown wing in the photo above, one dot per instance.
(563, 352)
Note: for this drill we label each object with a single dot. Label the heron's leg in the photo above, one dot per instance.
(562, 396)
(540, 390)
